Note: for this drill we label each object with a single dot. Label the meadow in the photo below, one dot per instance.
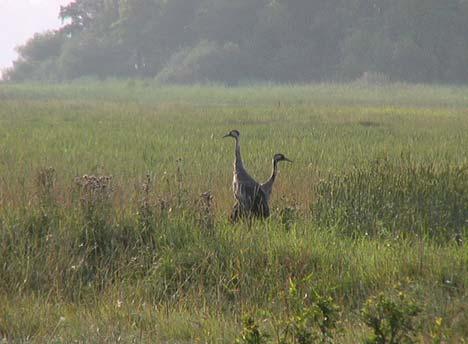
(105, 234)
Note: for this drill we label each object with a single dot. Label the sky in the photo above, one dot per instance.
(20, 19)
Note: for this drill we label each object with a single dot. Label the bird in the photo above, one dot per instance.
(250, 198)
(267, 187)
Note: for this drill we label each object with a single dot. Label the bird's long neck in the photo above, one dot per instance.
(268, 186)
(238, 162)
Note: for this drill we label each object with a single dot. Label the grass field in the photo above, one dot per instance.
(376, 203)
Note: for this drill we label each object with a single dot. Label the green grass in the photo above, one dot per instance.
(377, 197)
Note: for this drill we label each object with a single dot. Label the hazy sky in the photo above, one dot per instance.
(20, 19)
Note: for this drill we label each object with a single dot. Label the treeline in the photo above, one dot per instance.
(234, 41)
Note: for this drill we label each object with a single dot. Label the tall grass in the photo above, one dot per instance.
(113, 203)
(200, 274)
(397, 196)
(149, 91)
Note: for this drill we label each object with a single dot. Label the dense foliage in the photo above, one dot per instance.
(251, 40)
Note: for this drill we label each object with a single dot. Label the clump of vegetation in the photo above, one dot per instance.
(311, 317)
(437, 332)
(45, 182)
(396, 197)
(251, 333)
(307, 317)
(288, 215)
(391, 318)
(206, 216)
(95, 197)
(146, 208)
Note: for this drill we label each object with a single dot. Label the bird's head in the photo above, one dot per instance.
(233, 133)
(280, 157)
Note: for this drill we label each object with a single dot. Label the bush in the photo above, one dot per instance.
(391, 318)
(251, 333)
(308, 317)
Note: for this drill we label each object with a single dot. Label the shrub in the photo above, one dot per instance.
(251, 333)
(308, 317)
(313, 317)
(391, 318)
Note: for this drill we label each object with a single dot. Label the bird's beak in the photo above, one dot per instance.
(286, 159)
(227, 135)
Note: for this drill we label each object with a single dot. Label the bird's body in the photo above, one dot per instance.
(243, 185)
(250, 198)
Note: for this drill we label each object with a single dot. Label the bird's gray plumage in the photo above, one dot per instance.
(250, 198)
(267, 187)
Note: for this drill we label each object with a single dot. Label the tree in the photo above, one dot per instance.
(80, 15)
(229, 41)
(37, 58)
